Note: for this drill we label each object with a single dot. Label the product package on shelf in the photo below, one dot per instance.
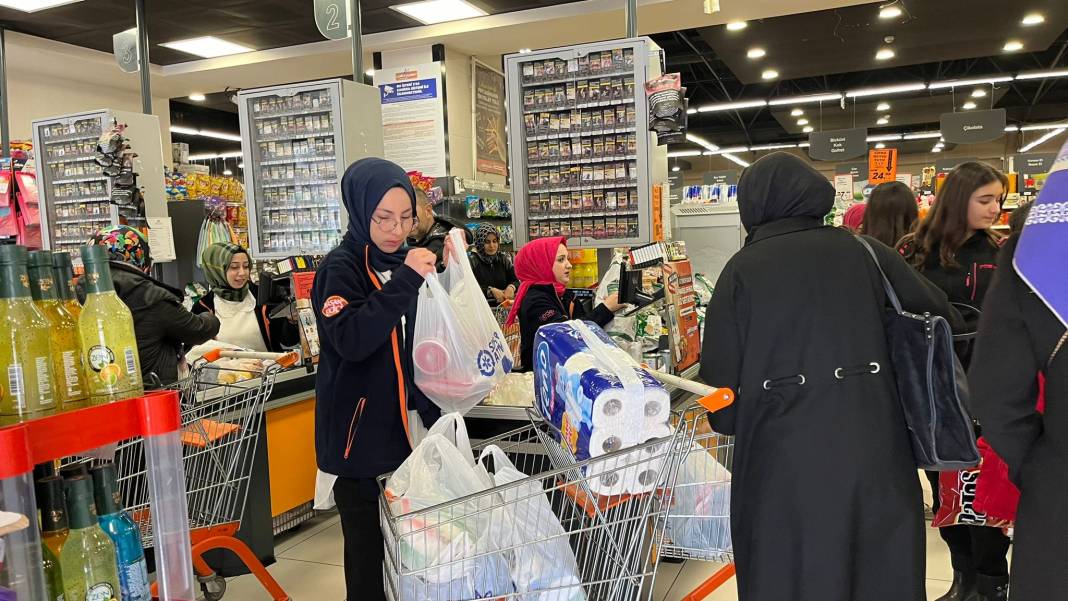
(598, 400)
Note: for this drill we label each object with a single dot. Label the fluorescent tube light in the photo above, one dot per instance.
(691, 111)
(683, 153)
(1045, 138)
(961, 83)
(771, 147)
(207, 47)
(211, 156)
(1039, 126)
(701, 141)
(730, 106)
(884, 137)
(732, 158)
(429, 12)
(32, 6)
(805, 99)
(1043, 74)
(728, 150)
(803, 145)
(1011, 128)
(188, 131)
(895, 89)
(923, 135)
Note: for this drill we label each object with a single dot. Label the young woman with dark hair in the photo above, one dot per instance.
(891, 213)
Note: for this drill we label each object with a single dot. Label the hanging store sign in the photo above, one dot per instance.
(947, 165)
(882, 166)
(715, 178)
(971, 127)
(413, 117)
(332, 18)
(838, 144)
(487, 95)
(1033, 164)
(125, 45)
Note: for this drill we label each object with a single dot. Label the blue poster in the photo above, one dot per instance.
(404, 91)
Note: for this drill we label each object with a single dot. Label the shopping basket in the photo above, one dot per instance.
(154, 420)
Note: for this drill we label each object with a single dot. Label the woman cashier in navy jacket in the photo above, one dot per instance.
(366, 405)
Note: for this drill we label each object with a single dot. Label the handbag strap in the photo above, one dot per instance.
(890, 294)
(1057, 349)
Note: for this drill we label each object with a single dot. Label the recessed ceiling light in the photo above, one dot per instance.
(883, 106)
(755, 53)
(797, 113)
(369, 73)
(737, 25)
(940, 145)
(883, 121)
(228, 172)
(802, 121)
(1012, 46)
(1033, 19)
(207, 47)
(197, 97)
(429, 12)
(240, 165)
(889, 12)
(770, 74)
(32, 6)
(978, 93)
(808, 129)
(676, 169)
(880, 145)
(936, 149)
(884, 54)
(524, 50)
(968, 105)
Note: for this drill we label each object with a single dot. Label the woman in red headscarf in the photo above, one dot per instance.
(543, 270)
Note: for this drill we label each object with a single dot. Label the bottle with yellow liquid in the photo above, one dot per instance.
(109, 345)
(25, 349)
(63, 273)
(69, 377)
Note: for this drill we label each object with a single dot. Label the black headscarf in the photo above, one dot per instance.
(782, 185)
(365, 183)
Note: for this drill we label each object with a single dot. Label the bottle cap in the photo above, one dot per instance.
(80, 507)
(13, 254)
(94, 254)
(50, 499)
(42, 259)
(106, 489)
(61, 258)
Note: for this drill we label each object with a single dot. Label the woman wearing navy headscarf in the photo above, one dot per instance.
(366, 405)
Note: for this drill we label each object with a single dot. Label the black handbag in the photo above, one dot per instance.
(931, 384)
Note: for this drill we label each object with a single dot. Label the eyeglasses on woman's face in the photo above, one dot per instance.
(390, 224)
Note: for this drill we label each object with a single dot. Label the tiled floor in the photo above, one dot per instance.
(309, 568)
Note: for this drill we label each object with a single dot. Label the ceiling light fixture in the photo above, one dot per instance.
(431, 12)
(880, 145)
(32, 6)
(737, 25)
(734, 159)
(207, 47)
(808, 129)
(210, 156)
(1039, 126)
(883, 120)
(771, 147)
(803, 145)
(188, 131)
(884, 54)
(1012, 128)
(835, 97)
(884, 137)
(1033, 19)
(228, 172)
(755, 53)
(802, 121)
(240, 165)
(197, 97)
(978, 93)
(1012, 46)
(883, 107)
(730, 106)
(936, 149)
(889, 12)
(968, 105)
(963, 83)
(691, 111)
(1043, 74)
(769, 74)
(701, 141)
(1043, 139)
(369, 73)
(894, 89)
(728, 150)
(923, 135)
(684, 153)
(797, 113)
(676, 169)
(525, 51)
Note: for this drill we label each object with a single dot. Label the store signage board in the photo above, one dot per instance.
(838, 144)
(947, 165)
(413, 117)
(125, 45)
(332, 18)
(487, 96)
(971, 127)
(684, 331)
(1033, 163)
(858, 180)
(882, 166)
(676, 184)
(716, 178)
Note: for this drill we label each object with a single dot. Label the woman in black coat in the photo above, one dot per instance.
(825, 502)
(492, 268)
(1019, 337)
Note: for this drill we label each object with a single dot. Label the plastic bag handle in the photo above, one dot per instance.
(453, 428)
(499, 457)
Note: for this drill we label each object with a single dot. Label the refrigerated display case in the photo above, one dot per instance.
(297, 141)
(583, 162)
(75, 195)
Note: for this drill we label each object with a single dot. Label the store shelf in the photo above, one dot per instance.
(296, 182)
(71, 138)
(282, 137)
(72, 159)
(298, 159)
(71, 201)
(318, 205)
(583, 187)
(582, 134)
(297, 112)
(297, 230)
(579, 106)
(84, 219)
(584, 215)
(589, 161)
(77, 180)
(72, 241)
(585, 77)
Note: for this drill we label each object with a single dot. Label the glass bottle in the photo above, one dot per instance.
(68, 375)
(63, 270)
(53, 574)
(88, 560)
(54, 531)
(123, 532)
(25, 350)
(109, 345)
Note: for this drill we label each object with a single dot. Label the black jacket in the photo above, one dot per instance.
(967, 283)
(165, 330)
(819, 463)
(279, 334)
(540, 306)
(1017, 335)
(434, 240)
(499, 274)
(356, 322)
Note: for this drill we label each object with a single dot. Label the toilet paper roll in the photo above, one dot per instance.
(653, 453)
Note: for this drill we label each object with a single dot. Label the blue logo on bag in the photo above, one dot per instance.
(489, 357)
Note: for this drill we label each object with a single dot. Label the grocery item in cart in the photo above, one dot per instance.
(699, 518)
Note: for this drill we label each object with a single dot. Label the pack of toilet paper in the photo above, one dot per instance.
(600, 401)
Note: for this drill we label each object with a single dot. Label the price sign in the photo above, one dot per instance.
(882, 166)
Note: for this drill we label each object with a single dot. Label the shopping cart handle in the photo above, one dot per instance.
(713, 399)
(281, 359)
(720, 399)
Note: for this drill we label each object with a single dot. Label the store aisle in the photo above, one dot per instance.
(309, 567)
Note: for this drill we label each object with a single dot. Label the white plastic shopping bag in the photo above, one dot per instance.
(459, 351)
(543, 566)
(700, 514)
